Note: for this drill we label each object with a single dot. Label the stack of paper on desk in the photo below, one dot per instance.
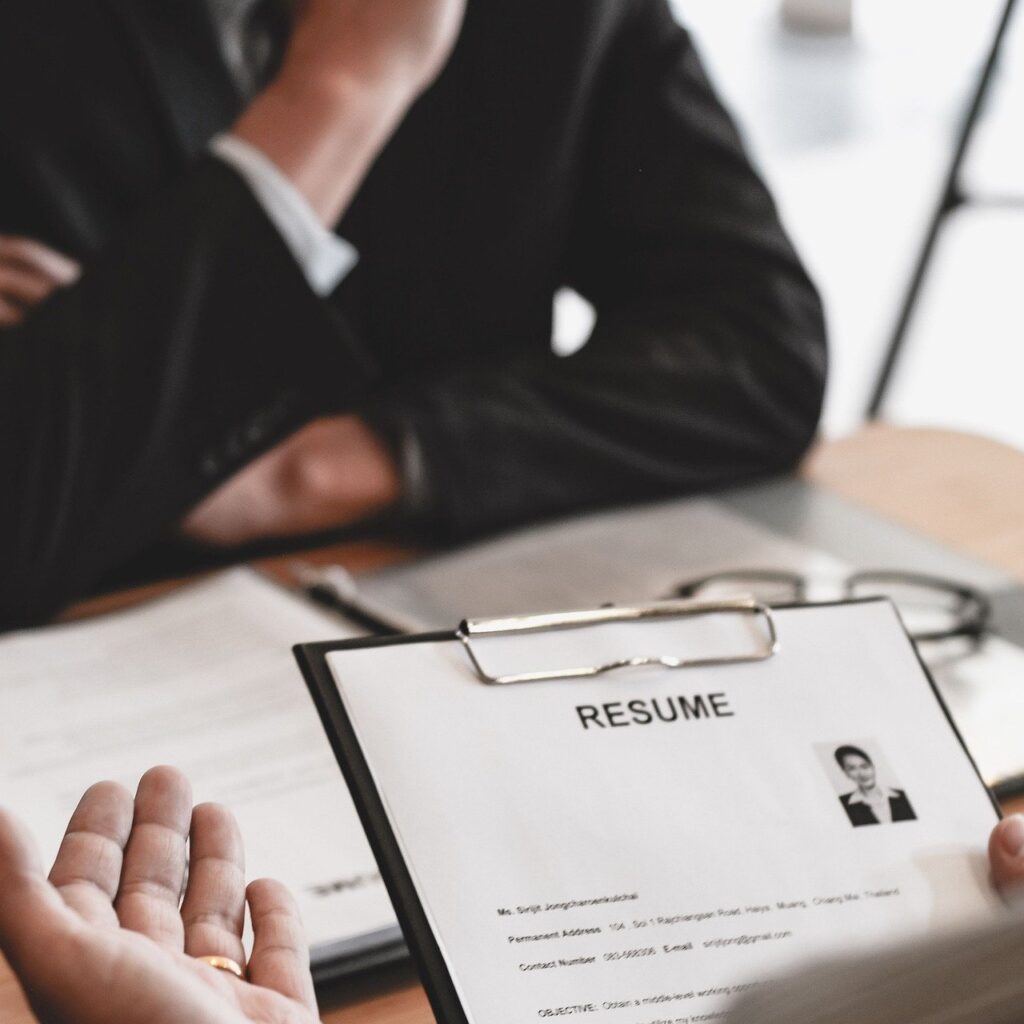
(203, 679)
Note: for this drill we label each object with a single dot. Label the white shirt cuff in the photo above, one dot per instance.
(325, 258)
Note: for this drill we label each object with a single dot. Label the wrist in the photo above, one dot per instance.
(343, 94)
(332, 473)
(323, 131)
(366, 71)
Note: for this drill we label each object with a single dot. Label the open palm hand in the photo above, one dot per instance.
(107, 937)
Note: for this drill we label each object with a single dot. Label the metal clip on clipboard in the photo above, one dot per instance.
(476, 629)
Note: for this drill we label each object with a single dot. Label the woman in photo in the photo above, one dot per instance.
(870, 803)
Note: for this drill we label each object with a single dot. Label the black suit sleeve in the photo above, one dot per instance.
(186, 349)
(707, 363)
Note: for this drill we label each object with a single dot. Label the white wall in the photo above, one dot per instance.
(854, 134)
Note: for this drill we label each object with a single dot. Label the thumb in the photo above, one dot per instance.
(31, 910)
(1006, 853)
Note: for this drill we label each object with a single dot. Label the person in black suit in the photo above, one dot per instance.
(870, 803)
(576, 143)
(196, 337)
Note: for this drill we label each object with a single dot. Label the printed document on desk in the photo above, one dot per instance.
(202, 679)
(640, 846)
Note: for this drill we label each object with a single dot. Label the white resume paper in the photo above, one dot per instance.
(639, 847)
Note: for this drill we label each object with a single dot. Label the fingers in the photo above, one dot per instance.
(29, 272)
(31, 911)
(87, 870)
(280, 953)
(214, 908)
(39, 259)
(1006, 853)
(154, 859)
(24, 287)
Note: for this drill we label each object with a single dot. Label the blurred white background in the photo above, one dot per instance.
(854, 133)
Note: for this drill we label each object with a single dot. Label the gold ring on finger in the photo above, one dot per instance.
(224, 963)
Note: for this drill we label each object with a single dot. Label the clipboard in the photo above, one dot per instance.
(441, 987)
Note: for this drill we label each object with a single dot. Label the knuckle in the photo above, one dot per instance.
(214, 920)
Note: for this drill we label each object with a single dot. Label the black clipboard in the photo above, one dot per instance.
(419, 936)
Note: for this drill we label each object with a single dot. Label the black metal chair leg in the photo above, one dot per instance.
(951, 198)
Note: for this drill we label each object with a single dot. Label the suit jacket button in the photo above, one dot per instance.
(236, 448)
(258, 429)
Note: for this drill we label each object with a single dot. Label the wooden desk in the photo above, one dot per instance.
(964, 491)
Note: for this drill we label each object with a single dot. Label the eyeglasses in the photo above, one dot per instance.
(932, 608)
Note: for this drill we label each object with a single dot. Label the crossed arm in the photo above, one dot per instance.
(706, 366)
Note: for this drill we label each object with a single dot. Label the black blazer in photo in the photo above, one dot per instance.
(861, 813)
